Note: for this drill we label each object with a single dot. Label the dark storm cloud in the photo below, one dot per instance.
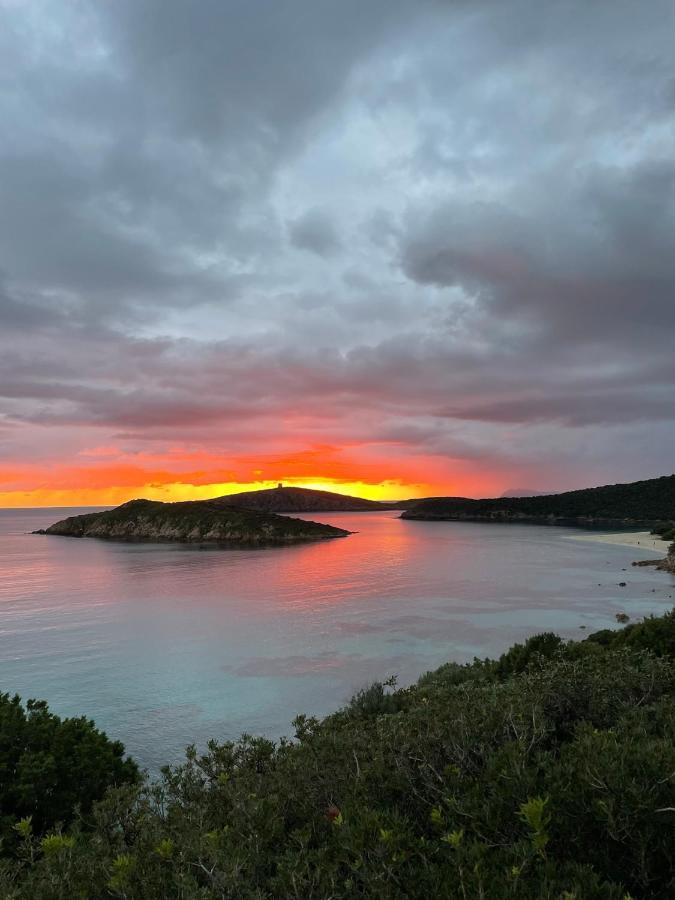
(315, 231)
(425, 224)
(145, 137)
(600, 266)
(250, 75)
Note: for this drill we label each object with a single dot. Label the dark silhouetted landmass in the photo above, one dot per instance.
(641, 503)
(525, 492)
(300, 500)
(409, 504)
(191, 522)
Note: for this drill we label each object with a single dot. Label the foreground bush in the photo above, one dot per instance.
(50, 766)
(546, 774)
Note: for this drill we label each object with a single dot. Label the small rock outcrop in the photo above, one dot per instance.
(668, 564)
(663, 565)
(194, 522)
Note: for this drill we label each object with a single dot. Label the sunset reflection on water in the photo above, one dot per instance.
(164, 645)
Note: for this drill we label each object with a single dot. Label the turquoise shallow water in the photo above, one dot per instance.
(165, 645)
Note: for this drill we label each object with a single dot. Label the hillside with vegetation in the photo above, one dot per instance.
(640, 503)
(545, 775)
(299, 500)
(304, 500)
(191, 522)
(666, 532)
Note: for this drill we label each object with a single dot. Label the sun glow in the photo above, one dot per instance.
(176, 491)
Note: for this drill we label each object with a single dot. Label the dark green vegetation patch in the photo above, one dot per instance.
(641, 502)
(51, 767)
(666, 532)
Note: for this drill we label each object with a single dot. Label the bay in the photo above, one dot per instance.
(166, 645)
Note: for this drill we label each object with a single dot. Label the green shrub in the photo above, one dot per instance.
(374, 699)
(51, 766)
(519, 657)
(656, 634)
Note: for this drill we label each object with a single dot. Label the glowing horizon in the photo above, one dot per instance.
(109, 474)
(173, 492)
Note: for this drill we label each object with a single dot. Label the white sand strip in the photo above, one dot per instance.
(642, 539)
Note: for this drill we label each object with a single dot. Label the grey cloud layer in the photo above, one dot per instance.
(448, 220)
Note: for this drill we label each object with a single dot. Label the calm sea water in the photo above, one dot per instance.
(164, 645)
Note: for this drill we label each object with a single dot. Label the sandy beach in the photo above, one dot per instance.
(642, 539)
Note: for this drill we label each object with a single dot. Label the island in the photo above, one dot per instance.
(193, 522)
(645, 504)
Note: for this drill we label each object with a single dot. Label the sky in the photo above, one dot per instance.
(396, 248)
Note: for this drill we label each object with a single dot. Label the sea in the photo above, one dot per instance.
(165, 645)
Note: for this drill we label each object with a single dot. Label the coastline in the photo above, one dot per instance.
(638, 539)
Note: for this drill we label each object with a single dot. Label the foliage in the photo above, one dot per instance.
(518, 658)
(666, 532)
(545, 774)
(374, 699)
(651, 501)
(655, 634)
(49, 766)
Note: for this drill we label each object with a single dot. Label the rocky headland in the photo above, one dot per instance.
(641, 504)
(194, 522)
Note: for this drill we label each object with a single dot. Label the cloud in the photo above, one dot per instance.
(420, 238)
(605, 250)
(314, 231)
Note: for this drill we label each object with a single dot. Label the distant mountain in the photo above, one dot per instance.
(642, 503)
(299, 500)
(191, 522)
(525, 492)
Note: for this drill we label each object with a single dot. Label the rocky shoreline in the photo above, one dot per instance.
(662, 565)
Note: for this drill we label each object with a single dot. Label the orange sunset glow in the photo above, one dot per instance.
(175, 491)
(111, 484)
(107, 475)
